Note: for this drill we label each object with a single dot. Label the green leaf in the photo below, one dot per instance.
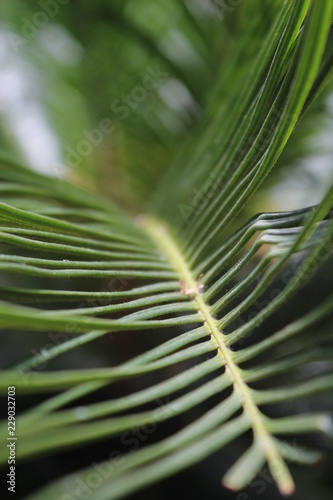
(191, 280)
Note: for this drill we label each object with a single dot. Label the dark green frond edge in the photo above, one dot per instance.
(182, 267)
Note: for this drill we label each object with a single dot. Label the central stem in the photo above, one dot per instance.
(161, 237)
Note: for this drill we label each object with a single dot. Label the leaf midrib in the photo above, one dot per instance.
(158, 232)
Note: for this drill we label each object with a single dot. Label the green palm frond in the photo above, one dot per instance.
(183, 271)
